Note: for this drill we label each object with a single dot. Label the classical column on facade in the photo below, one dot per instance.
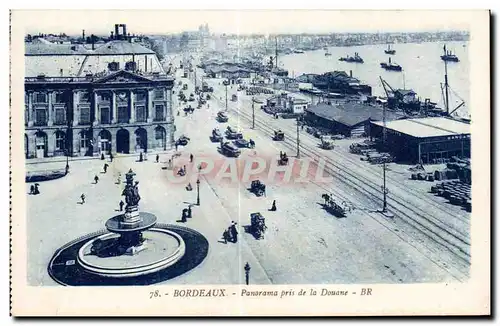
(76, 101)
(114, 108)
(96, 109)
(50, 121)
(150, 108)
(31, 114)
(132, 107)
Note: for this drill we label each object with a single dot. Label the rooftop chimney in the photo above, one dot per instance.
(124, 31)
(92, 40)
(83, 35)
(117, 33)
(111, 37)
(350, 73)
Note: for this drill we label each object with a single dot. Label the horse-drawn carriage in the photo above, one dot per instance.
(326, 144)
(230, 150)
(258, 188)
(257, 225)
(183, 140)
(188, 109)
(279, 135)
(331, 206)
(233, 133)
(283, 159)
(222, 116)
(216, 135)
(244, 143)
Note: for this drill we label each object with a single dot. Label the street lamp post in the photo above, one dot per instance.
(298, 139)
(247, 272)
(198, 190)
(253, 113)
(226, 93)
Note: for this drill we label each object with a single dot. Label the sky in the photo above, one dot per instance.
(101, 22)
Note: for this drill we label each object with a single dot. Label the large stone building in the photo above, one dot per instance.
(78, 101)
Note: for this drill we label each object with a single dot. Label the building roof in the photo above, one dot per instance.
(75, 60)
(47, 48)
(428, 127)
(350, 113)
(122, 47)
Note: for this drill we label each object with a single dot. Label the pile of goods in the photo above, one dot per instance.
(456, 191)
(378, 158)
(254, 90)
(362, 148)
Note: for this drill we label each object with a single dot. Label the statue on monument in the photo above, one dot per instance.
(131, 191)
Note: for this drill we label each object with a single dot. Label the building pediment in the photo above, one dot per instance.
(121, 77)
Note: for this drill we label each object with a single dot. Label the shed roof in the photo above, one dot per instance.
(428, 127)
(350, 113)
(122, 47)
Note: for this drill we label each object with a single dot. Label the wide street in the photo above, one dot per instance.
(303, 243)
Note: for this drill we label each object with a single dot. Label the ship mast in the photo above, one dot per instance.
(446, 102)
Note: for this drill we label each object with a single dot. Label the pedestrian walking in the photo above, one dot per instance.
(184, 215)
(105, 167)
(32, 189)
(121, 205)
(191, 157)
(102, 156)
(233, 232)
(141, 158)
(36, 192)
(111, 157)
(82, 197)
(273, 207)
(247, 272)
(157, 158)
(185, 169)
(225, 236)
(189, 212)
(176, 147)
(96, 179)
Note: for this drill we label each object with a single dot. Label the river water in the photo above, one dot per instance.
(423, 69)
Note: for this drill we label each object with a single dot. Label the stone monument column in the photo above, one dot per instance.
(96, 119)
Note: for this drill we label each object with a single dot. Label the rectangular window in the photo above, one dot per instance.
(84, 115)
(105, 115)
(60, 142)
(159, 94)
(159, 113)
(59, 97)
(40, 117)
(140, 113)
(105, 97)
(84, 97)
(140, 96)
(26, 115)
(40, 98)
(123, 114)
(60, 116)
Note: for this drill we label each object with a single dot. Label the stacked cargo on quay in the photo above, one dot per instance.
(336, 82)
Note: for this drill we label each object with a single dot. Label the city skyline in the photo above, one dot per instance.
(242, 22)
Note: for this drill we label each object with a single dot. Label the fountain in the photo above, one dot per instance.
(133, 249)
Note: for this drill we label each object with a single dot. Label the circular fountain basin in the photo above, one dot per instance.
(163, 249)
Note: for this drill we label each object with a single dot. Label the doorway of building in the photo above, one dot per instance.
(104, 142)
(141, 140)
(41, 144)
(123, 141)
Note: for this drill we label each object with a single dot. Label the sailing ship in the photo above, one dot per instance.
(389, 50)
(448, 55)
(391, 66)
(356, 58)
